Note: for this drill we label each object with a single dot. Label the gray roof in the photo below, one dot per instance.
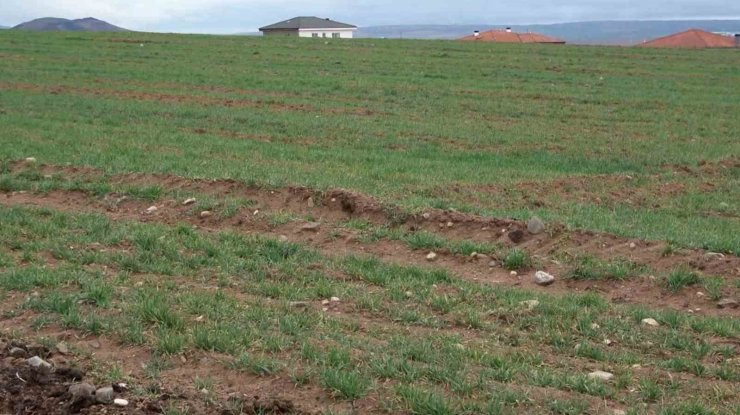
(308, 22)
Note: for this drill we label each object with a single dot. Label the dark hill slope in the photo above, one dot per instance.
(88, 24)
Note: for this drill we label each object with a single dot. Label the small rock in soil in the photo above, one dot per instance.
(431, 256)
(62, 348)
(633, 245)
(39, 364)
(650, 322)
(714, 255)
(426, 215)
(727, 303)
(189, 201)
(283, 238)
(601, 375)
(17, 352)
(299, 304)
(530, 304)
(334, 299)
(492, 264)
(311, 227)
(206, 214)
(543, 278)
(151, 209)
(513, 273)
(619, 412)
(535, 225)
(120, 402)
(81, 391)
(310, 202)
(450, 224)
(104, 394)
(30, 159)
(516, 235)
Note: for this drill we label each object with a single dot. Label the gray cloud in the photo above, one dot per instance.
(229, 16)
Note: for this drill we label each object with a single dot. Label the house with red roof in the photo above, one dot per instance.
(508, 36)
(694, 39)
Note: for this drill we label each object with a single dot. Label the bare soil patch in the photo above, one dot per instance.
(334, 207)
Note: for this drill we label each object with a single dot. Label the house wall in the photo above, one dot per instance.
(280, 33)
(327, 33)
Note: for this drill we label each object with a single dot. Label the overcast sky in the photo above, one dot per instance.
(230, 16)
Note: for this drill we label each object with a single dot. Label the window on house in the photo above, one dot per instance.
(335, 35)
(314, 35)
(323, 34)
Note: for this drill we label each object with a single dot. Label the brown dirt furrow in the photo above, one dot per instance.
(332, 239)
(170, 98)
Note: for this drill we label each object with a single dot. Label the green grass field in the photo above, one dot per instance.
(607, 139)
(638, 143)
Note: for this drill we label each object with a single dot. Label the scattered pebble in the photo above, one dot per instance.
(431, 256)
(727, 303)
(650, 322)
(189, 201)
(492, 264)
(699, 294)
(334, 299)
(426, 215)
(311, 202)
(530, 304)
(283, 238)
(714, 255)
(17, 352)
(151, 209)
(81, 391)
(104, 394)
(30, 159)
(513, 273)
(607, 342)
(618, 412)
(535, 225)
(633, 245)
(62, 348)
(324, 302)
(601, 375)
(206, 214)
(311, 227)
(543, 278)
(39, 364)
(450, 224)
(595, 326)
(120, 402)
(409, 294)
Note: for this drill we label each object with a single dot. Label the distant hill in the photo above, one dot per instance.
(600, 32)
(88, 24)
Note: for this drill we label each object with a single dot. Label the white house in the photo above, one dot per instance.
(307, 26)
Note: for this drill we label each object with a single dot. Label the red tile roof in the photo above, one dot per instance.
(694, 38)
(504, 36)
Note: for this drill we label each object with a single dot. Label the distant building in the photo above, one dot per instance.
(507, 36)
(310, 27)
(694, 39)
